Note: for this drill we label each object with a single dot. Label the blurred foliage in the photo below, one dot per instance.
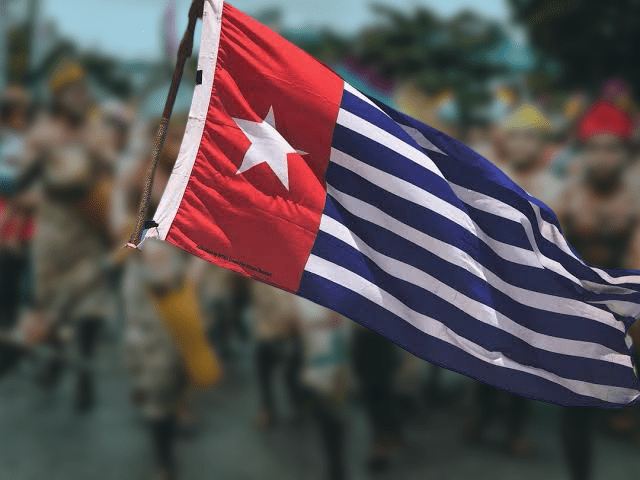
(434, 54)
(105, 70)
(591, 40)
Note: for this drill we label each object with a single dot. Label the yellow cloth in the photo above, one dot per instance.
(181, 314)
(65, 73)
(527, 117)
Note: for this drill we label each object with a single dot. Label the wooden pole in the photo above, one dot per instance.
(186, 48)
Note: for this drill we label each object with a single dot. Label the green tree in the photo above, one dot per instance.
(433, 53)
(591, 40)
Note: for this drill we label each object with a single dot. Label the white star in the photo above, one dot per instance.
(267, 146)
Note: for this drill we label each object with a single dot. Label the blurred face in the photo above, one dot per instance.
(523, 148)
(605, 156)
(477, 135)
(75, 98)
(18, 120)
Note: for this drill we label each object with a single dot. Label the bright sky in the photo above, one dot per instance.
(131, 28)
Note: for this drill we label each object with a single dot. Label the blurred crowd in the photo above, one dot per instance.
(72, 171)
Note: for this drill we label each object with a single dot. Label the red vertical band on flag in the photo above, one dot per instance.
(248, 189)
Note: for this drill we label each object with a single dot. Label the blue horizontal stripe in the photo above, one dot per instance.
(437, 226)
(477, 173)
(389, 244)
(374, 317)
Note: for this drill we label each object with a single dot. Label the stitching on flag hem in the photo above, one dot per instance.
(207, 62)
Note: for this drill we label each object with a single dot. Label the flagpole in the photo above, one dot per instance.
(186, 48)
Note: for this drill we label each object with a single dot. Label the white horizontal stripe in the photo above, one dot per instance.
(377, 134)
(420, 139)
(473, 308)
(349, 280)
(501, 209)
(425, 199)
(357, 93)
(455, 256)
(417, 136)
(552, 234)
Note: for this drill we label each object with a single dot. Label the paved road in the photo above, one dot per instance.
(41, 438)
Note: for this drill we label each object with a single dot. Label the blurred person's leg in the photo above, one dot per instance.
(266, 358)
(332, 433)
(376, 363)
(155, 365)
(518, 414)
(51, 372)
(485, 397)
(163, 432)
(292, 373)
(12, 268)
(240, 301)
(220, 311)
(576, 433)
(88, 332)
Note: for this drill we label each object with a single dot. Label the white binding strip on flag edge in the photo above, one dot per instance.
(434, 328)
(208, 57)
(473, 308)
(455, 256)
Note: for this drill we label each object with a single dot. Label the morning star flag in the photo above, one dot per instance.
(289, 175)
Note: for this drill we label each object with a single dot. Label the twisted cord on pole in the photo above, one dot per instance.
(186, 48)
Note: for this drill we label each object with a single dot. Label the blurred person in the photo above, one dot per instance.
(599, 216)
(376, 363)
(325, 377)
(119, 117)
(164, 325)
(526, 147)
(16, 226)
(226, 296)
(68, 166)
(277, 344)
(525, 131)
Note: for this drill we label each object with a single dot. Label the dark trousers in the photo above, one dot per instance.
(269, 355)
(163, 434)
(375, 362)
(332, 431)
(12, 271)
(576, 433)
(517, 408)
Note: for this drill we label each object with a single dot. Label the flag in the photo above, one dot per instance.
(289, 175)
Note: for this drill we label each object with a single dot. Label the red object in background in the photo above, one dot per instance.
(605, 118)
(253, 221)
(14, 228)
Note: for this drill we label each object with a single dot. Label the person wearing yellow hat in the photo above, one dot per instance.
(62, 167)
(68, 88)
(526, 133)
